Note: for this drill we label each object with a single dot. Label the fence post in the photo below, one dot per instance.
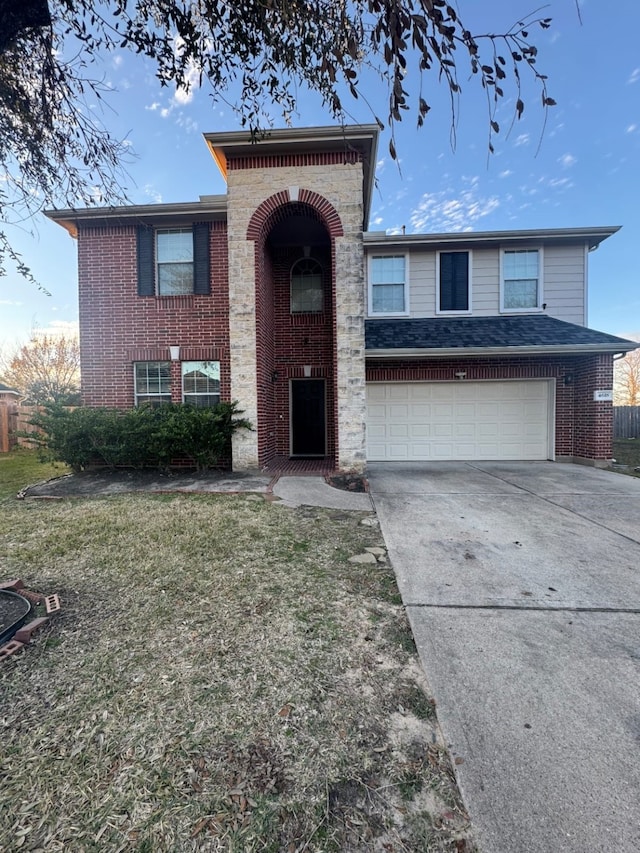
(5, 440)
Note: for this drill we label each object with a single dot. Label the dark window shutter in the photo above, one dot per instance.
(201, 269)
(454, 281)
(146, 265)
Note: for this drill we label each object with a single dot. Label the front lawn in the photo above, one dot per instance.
(626, 451)
(221, 678)
(22, 467)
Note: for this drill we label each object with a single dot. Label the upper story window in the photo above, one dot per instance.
(152, 382)
(454, 282)
(201, 383)
(174, 260)
(388, 284)
(521, 279)
(307, 294)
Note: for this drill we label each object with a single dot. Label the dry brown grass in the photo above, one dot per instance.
(221, 678)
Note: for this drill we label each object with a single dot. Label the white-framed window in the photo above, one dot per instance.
(201, 383)
(453, 292)
(307, 292)
(174, 261)
(521, 280)
(388, 284)
(152, 382)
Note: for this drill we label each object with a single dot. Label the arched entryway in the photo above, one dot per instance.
(296, 328)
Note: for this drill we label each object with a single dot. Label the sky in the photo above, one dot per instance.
(580, 169)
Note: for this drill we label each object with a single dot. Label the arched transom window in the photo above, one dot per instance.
(306, 287)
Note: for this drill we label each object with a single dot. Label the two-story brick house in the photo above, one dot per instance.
(340, 343)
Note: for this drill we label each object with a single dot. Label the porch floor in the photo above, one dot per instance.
(283, 466)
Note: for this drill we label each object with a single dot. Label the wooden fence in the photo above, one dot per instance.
(626, 421)
(15, 419)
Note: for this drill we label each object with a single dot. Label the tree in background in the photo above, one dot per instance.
(46, 370)
(55, 152)
(626, 380)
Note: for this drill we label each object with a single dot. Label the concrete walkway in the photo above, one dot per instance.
(293, 491)
(522, 585)
(314, 491)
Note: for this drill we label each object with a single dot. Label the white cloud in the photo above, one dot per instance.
(567, 160)
(632, 128)
(165, 112)
(10, 302)
(522, 139)
(184, 94)
(187, 123)
(95, 196)
(634, 76)
(152, 193)
(448, 210)
(154, 106)
(117, 60)
(505, 174)
(68, 328)
(378, 220)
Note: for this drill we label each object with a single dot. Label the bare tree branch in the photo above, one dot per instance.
(55, 152)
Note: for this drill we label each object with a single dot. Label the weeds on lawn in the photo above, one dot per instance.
(22, 467)
(220, 678)
(627, 452)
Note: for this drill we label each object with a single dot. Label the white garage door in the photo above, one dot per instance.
(458, 420)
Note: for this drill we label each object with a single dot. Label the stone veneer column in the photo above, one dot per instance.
(341, 185)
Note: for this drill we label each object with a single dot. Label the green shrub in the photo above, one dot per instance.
(144, 437)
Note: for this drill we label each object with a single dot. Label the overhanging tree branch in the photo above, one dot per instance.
(54, 152)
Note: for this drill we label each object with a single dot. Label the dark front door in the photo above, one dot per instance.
(308, 418)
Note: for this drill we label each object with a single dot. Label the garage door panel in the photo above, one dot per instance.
(488, 431)
(465, 430)
(399, 392)
(442, 430)
(442, 451)
(442, 411)
(458, 420)
(465, 411)
(488, 410)
(399, 431)
(420, 430)
(420, 411)
(398, 412)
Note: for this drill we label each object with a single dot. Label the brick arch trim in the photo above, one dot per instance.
(263, 216)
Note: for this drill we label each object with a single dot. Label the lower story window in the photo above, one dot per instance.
(201, 383)
(152, 382)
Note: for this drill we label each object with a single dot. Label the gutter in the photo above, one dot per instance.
(478, 352)
(592, 237)
(194, 211)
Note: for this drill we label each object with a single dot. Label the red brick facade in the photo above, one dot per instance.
(119, 328)
(583, 428)
(286, 342)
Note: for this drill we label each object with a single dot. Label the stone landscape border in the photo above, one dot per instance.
(22, 636)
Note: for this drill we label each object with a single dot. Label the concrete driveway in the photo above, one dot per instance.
(522, 584)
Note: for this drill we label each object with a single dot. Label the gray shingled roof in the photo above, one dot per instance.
(533, 331)
(4, 388)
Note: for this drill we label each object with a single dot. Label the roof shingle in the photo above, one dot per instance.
(437, 333)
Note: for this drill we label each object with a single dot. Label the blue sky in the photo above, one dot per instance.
(585, 171)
